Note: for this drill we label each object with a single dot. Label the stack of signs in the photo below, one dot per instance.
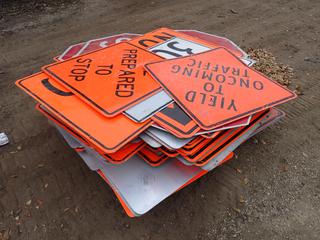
(152, 113)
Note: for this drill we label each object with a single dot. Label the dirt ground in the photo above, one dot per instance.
(271, 190)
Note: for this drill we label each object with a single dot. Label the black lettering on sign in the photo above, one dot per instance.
(217, 73)
(155, 39)
(126, 77)
(124, 90)
(173, 46)
(219, 91)
(258, 85)
(78, 72)
(55, 90)
(216, 68)
(208, 87)
(232, 105)
(129, 59)
(232, 80)
(187, 71)
(190, 96)
(220, 78)
(178, 47)
(125, 85)
(203, 66)
(104, 70)
(244, 82)
(212, 100)
(207, 76)
(175, 68)
(177, 51)
(203, 97)
(166, 52)
(192, 62)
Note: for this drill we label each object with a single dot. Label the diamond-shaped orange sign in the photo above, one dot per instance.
(216, 88)
(110, 79)
(107, 134)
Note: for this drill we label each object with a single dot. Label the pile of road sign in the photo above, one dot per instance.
(152, 113)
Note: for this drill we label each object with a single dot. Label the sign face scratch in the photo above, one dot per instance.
(110, 80)
(216, 88)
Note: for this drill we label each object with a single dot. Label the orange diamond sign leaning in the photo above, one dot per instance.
(216, 88)
(110, 79)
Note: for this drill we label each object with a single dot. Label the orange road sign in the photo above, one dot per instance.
(152, 157)
(193, 142)
(216, 88)
(183, 44)
(196, 147)
(218, 144)
(170, 44)
(108, 134)
(110, 80)
(210, 135)
(175, 120)
(125, 152)
(168, 152)
(120, 156)
(52, 118)
(208, 152)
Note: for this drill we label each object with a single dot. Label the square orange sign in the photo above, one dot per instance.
(110, 80)
(169, 44)
(107, 134)
(216, 88)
